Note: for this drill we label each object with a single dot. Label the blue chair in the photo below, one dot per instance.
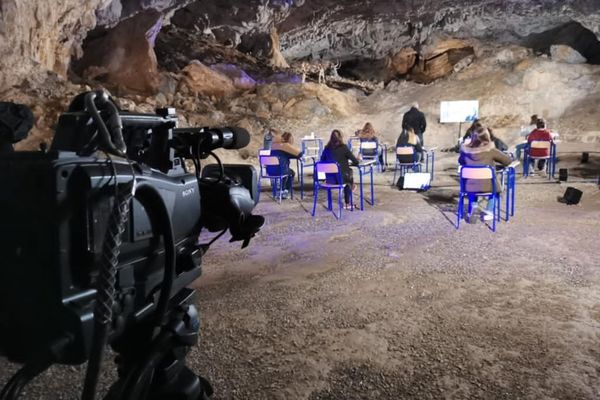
(550, 158)
(404, 153)
(477, 173)
(369, 150)
(276, 179)
(321, 171)
(311, 150)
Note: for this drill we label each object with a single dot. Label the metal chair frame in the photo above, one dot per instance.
(312, 150)
(550, 158)
(325, 168)
(276, 180)
(477, 172)
(404, 167)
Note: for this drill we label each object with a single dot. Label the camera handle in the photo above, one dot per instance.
(155, 369)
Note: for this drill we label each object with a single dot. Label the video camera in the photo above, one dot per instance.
(99, 241)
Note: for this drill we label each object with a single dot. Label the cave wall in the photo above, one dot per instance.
(38, 36)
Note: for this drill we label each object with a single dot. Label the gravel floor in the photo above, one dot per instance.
(395, 303)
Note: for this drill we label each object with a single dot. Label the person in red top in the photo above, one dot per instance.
(540, 133)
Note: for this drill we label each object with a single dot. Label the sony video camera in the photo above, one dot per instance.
(99, 242)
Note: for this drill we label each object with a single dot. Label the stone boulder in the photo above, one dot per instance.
(124, 56)
(565, 54)
(304, 101)
(199, 79)
(240, 78)
(401, 62)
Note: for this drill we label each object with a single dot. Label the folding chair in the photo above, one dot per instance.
(550, 158)
(276, 179)
(322, 170)
(312, 150)
(369, 150)
(473, 173)
(405, 152)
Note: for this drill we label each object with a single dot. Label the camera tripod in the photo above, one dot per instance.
(152, 367)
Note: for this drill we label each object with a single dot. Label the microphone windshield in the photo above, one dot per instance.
(241, 138)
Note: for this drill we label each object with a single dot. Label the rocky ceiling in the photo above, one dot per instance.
(115, 38)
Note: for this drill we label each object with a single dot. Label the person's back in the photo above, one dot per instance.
(415, 119)
(367, 134)
(539, 134)
(409, 138)
(481, 151)
(337, 151)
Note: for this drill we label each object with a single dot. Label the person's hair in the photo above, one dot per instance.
(534, 119)
(412, 137)
(415, 105)
(480, 137)
(540, 123)
(335, 140)
(287, 137)
(368, 131)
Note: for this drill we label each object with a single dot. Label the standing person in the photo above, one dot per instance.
(415, 119)
(409, 138)
(525, 130)
(283, 147)
(539, 133)
(481, 151)
(337, 151)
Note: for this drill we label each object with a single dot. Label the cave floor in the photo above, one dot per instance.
(395, 303)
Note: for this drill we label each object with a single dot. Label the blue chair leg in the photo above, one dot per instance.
(329, 200)
(340, 203)
(315, 196)
(460, 209)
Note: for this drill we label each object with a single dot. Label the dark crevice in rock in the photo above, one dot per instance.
(571, 34)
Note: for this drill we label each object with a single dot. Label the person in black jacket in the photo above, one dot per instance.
(415, 119)
(337, 151)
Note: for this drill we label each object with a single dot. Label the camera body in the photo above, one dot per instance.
(56, 206)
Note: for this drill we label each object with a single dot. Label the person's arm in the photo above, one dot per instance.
(423, 122)
(419, 146)
(461, 158)
(501, 157)
(348, 154)
(293, 151)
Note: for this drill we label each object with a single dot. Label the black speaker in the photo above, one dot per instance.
(585, 157)
(572, 195)
(245, 173)
(563, 174)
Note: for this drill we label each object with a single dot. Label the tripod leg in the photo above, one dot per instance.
(157, 370)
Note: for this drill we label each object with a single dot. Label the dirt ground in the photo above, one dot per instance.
(395, 303)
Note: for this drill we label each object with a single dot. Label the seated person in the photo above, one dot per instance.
(283, 147)
(367, 134)
(409, 138)
(481, 151)
(500, 145)
(337, 151)
(540, 133)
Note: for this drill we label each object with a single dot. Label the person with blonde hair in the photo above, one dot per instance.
(283, 147)
(337, 151)
(481, 151)
(409, 138)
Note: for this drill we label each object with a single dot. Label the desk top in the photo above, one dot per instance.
(365, 163)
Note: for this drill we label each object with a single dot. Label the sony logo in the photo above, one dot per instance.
(188, 192)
